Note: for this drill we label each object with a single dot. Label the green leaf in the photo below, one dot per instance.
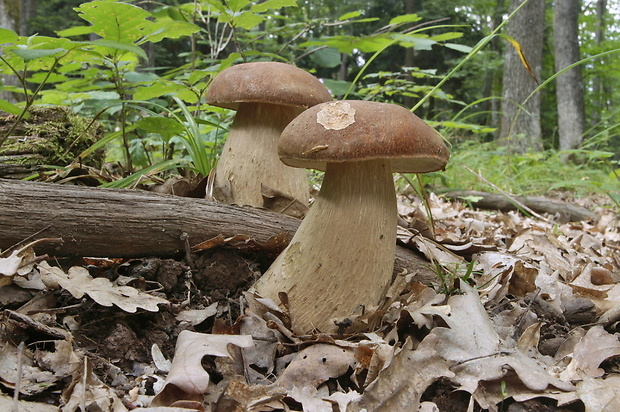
(405, 18)
(7, 36)
(237, 5)
(9, 107)
(273, 4)
(120, 22)
(122, 46)
(337, 87)
(75, 31)
(458, 47)
(350, 15)
(326, 57)
(420, 42)
(447, 36)
(170, 30)
(164, 126)
(157, 89)
(31, 54)
(247, 20)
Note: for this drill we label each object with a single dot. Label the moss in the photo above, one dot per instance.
(51, 135)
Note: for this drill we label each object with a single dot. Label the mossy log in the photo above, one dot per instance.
(48, 136)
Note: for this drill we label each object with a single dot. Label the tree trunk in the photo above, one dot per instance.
(520, 123)
(598, 89)
(409, 101)
(133, 223)
(569, 85)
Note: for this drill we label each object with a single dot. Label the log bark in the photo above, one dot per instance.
(566, 212)
(100, 222)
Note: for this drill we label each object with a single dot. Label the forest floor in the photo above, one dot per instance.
(523, 315)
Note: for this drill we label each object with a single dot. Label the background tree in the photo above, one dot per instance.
(569, 85)
(520, 124)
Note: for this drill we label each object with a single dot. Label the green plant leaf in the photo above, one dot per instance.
(326, 57)
(169, 30)
(247, 20)
(337, 87)
(273, 4)
(237, 5)
(9, 107)
(7, 36)
(350, 15)
(164, 126)
(405, 18)
(119, 22)
(75, 31)
(122, 46)
(30, 54)
(458, 47)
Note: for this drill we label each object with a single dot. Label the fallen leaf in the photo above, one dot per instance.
(187, 379)
(600, 395)
(595, 347)
(316, 364)
(79, 282)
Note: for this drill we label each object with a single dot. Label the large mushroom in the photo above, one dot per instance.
(266, 96)
(342, 254)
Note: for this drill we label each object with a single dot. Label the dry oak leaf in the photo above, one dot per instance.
(477, 353)
(187, 378)
(595, 347)
(400, 385)
(79, 282)
(600, 395)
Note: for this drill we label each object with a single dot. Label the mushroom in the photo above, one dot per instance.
(266, 96)
(342, 255)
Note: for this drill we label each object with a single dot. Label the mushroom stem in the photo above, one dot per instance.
(250, 163)
(342, 254)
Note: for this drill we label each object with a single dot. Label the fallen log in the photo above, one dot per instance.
(98, 222)
(566, 212)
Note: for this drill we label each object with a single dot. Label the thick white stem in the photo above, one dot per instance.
(342, 255)
(250, 159)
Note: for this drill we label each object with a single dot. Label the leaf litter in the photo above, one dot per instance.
(523, 310)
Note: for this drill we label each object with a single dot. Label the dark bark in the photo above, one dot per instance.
(569, 85)
(132, 223)
(520, 124)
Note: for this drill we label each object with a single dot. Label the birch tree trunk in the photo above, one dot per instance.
(520, 123)
(569, 85)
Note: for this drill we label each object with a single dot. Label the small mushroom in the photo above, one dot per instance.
(266, 96)
(342, 254)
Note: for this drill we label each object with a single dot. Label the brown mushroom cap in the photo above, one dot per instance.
(266, 82)
(352, 130)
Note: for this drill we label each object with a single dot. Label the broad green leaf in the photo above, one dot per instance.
(337, 87)
(75, 31)
(169, 30)
(9, 107)
(273, 4)
(41, 77)
(7, 36)
(447, 36)
(237, 5)
(247, 20)
(31, 54)
(458, 47)
(157, 89)
(326, 57)
(350, 15)
(405, 18)
(120, 22)
(164, 126)
(122, 46)
(140, 77)
(418, 42)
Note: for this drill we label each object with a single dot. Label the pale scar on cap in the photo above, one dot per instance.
(336, 115)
